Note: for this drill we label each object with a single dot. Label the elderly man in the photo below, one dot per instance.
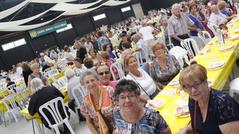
(105, 76)
(179, 25)
(217, 18)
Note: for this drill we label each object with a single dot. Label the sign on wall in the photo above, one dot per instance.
(47, 29)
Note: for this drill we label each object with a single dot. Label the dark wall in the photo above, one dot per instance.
(43, 43)
(114, 15)
(15, 55)
(156, 4)
(83, 24)
(65, 37)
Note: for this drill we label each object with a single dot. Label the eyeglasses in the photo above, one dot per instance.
(130, 97)
(102, 73)
(195, 86)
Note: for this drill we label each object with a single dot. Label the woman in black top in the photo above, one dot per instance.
(26, 71)
(211, 111)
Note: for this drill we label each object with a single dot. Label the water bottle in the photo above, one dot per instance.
(219, 36)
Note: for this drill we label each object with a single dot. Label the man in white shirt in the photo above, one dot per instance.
(216, 17)
(147, 31)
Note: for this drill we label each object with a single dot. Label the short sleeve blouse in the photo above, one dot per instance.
(151, 123)
(221, 109)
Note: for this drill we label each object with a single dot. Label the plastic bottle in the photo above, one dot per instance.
(219, 37)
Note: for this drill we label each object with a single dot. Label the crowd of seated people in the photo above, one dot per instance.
(120, 102)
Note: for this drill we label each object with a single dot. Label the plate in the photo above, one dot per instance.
(236, 31)
(155, 103)
(182, 111)
(215, 65)
(234, 37)
(173, 83)
(205, 51)
(226, 48)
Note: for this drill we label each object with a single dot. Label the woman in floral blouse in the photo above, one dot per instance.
(131, 117)
(164, 67)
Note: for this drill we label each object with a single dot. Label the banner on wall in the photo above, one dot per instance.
(47, 29)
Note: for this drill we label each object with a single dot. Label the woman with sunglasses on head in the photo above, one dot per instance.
(131, 117)
(144, 81)
(211, 111)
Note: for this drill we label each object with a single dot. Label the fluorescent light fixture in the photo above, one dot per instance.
(125, 9)
(100, 16)
(69, 26)
(13, 44)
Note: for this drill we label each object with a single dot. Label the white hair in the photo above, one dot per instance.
(69, 73)
(36, 84)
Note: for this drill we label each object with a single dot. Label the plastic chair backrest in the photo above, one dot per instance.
(179, 53)
(9, 99)
(205, 36)
(139, 58)
(78, 94)
(117, 69)
(52, 107)
(190, 45)
(212, 27)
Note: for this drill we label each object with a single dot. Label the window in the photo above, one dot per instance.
(69, 26)
(100, 16)
(125, 9)
(13, 44)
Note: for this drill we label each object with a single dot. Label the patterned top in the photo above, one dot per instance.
(165, 75)
(221, 109)
(106, 109)
(179, 26)
(151, 123)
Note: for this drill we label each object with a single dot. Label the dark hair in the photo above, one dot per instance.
(78, 60)
(88, 62)
(126, 85)
(126, 45)
(105, 47)
(8, 79)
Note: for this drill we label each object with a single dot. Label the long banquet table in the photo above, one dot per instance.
(218, 77)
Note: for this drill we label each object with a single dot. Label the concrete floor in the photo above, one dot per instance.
(25, 127)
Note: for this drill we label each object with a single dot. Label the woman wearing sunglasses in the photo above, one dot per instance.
(211, 111)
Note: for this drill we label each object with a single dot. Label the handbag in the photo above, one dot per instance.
(102, 124)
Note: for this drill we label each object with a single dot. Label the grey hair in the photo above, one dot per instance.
(36, 84)
(86, 73)
(176, 5)
(69, 73)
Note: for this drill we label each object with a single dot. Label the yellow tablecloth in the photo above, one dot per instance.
(218, 78)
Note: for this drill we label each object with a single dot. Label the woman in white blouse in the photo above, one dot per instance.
(144, 81)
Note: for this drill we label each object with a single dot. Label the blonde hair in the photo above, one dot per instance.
(192, 74)
(160, 44)
(221, 5)
(126, 59)
(35, 65)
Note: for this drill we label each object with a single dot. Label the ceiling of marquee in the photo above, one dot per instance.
(22, 15)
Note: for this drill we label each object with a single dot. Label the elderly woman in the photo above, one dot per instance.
(132, 118)
(164, 67)
(223, 7)
(41, 95)
(97, 100)
(35, 67)
(211, 111)
(144, 81)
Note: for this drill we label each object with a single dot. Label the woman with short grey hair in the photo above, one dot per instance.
(97, 99)
(36, 84)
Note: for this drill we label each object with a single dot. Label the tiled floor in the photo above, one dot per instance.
(25, 127)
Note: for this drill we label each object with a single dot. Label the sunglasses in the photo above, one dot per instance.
(102, 73)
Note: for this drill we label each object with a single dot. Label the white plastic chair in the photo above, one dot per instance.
(234, 87)
(190, 45)
(11, 110)
(179, 53)
(51, 72)
(205, 36)
(52, 107)
(139, 58)
(78, 94)
(117, 69)
(60, 82)
(212, 27)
